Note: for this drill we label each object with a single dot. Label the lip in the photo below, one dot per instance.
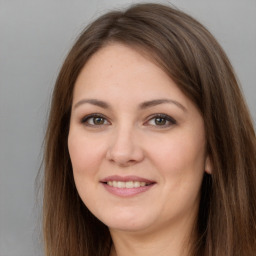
(126, 192)
(126, 178)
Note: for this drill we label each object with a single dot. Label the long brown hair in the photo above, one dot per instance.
(190, 55)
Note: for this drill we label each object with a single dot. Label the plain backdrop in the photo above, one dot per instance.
(35, 37)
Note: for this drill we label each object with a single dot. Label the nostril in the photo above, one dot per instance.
(125, 155)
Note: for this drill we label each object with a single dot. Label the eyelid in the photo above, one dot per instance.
(168, 118)
(171, 121)
(94, 115)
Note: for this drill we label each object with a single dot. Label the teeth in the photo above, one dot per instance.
(120, 184)
(128, 184)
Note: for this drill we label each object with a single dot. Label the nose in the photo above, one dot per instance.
(124, 148)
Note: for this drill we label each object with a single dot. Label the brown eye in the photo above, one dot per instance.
(161, 120)
(94, 120)
(98, 120)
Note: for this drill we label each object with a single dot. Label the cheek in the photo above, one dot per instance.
(86, 160)
(179, 153)
(181, 165)
(85, 154)
(180, 161)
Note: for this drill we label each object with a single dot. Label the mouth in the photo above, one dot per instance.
(127, 186)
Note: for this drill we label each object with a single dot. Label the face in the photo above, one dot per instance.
(136, 142)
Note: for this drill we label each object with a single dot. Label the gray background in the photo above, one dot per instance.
(34, 39)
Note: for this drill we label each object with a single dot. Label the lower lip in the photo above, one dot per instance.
(126, 192)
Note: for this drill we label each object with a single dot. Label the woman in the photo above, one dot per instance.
(150, 148)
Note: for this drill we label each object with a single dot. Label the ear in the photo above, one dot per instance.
(208, 165)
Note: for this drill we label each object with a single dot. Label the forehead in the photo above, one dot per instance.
(118, 64)
(120, 74)
(123, 79)
(116, 54)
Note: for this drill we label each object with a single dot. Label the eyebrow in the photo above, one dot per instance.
(95, 102)
(156, 102)
(143, 105)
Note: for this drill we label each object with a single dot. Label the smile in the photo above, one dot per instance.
(127, 186)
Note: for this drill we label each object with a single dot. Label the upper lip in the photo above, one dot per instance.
(126, 179)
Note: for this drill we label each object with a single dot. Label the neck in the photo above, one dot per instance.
(164, 242)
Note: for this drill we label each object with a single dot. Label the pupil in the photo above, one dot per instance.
(98, 120)
(160, 121)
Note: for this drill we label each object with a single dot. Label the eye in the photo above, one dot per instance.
(95, 120)
(161, 120)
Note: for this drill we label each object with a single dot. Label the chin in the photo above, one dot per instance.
(128, 222)
(128, 227)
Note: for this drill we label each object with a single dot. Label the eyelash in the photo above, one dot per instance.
(85, 120)
(166, 118)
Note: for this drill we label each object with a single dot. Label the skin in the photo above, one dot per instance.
(128, 139)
